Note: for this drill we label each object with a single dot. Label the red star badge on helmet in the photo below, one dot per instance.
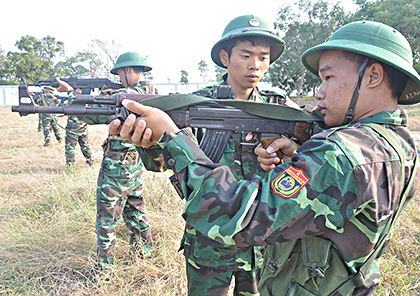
(254, 22)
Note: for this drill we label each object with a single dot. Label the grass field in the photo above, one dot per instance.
(48, 240)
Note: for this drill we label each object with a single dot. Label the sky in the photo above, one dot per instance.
(173, 34)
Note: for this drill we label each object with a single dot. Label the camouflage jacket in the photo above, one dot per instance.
(342, 185)
(240, 158)
(47, 99)
(75, 125)
(239, 154)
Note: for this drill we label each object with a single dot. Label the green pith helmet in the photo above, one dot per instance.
(375, 40)
(248, 25)
(130, 59)
(48, 87)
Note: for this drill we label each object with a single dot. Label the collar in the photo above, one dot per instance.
(253, 96)
(396, 117)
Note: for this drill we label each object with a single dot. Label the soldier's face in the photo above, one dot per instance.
(125, 77)
(339, 78)
(246, 65)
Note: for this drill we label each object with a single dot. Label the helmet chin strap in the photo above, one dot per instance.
(126, 78)
(350, 111)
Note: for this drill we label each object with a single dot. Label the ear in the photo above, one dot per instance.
(224, 57)
(375, 74)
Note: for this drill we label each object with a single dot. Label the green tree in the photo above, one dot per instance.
(4, 73)
(90, 61)
(184, 77)
(203, 68)
(68, 68)
(34, 60)
(304, 23)
(84, 64)
(402, 15)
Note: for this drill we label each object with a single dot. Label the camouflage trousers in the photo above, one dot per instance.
(72, 138)
(39, 122)
(209, 281)
(49, 125)
(120, 193)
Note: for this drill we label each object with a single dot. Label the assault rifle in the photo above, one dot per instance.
(86, 84)
(222, 119)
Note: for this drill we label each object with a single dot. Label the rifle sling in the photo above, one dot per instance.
(272, 111)
(214, 141)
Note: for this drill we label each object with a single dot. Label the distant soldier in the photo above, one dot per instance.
(49, 122)
(36, 97)
(120, 183)
(77, 132)
(39, 122)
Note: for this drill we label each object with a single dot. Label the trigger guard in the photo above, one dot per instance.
(122, 114)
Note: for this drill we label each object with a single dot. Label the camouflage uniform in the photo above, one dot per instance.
(49, 122)
(36, 97)
(120, 193)
(77, 132)
(211, 264)
(340, 186)
(39, 122)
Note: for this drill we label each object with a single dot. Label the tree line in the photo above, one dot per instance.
(301, 23)
(304, 23)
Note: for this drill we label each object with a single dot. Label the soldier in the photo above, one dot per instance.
(246, 49)
(120, 182)
(328, 211)
(77, 132)
(49, 122)
(39, 122)
(36, 97)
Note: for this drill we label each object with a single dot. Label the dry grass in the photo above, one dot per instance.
(400, 264)
(48, 241)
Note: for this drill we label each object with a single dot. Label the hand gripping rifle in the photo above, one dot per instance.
(220, 117)
(86, 84)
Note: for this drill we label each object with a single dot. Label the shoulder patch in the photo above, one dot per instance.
(289, 182)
